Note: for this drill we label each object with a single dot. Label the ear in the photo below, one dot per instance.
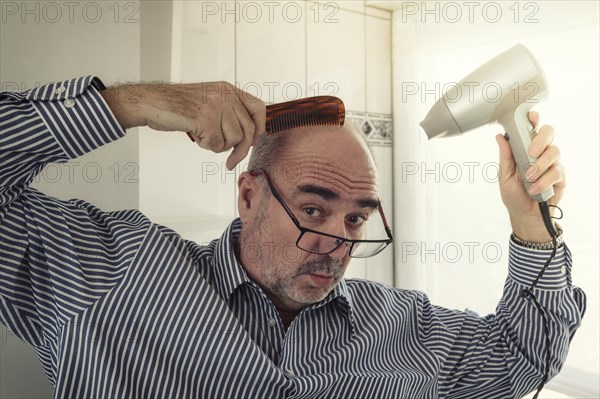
(248, 195)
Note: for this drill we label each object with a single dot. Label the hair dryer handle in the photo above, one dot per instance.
(520, 134)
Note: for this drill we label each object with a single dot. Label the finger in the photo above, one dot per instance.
(256, 108)
(241, 149)
(204, 134)
(543, 139)
(507, 162)
(212, 136)
(554, 177)
(237, 155)
(201, 141)
(245, 121)
(258, 133)
(231, 129)
(549, 157)
(534, 118)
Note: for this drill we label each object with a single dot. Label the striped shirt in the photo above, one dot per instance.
(118, 307)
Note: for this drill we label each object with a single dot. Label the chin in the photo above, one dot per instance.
(310, 295)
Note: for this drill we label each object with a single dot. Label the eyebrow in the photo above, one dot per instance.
(329, 195)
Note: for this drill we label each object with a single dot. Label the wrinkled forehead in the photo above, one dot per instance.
(333, 157)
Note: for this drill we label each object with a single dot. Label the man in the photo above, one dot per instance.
(116, 306)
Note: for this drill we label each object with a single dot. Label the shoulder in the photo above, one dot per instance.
(194, 250)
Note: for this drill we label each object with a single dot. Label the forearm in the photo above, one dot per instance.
(523, 339)
(563, 304)
(125, 103)
(503, 355)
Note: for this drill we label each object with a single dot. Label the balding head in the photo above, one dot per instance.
(328, 145)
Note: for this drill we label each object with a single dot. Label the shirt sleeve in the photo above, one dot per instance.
(502, 355)
(56, 257)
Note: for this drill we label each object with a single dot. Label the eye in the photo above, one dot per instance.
(357, 220)
(311, 211)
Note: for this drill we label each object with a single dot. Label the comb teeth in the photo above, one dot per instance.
(313, 111)
(311, 116)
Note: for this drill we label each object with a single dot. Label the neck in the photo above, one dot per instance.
(287, 317)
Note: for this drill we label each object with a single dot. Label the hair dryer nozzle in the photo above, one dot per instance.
(439, 122)
(487, 94)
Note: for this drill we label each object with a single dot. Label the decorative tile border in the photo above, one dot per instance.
(377, 127)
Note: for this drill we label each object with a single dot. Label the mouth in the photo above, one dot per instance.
(321, 280)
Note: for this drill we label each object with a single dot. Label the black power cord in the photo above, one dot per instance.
(528, 292)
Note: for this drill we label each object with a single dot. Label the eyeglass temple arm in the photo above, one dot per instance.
(276, 195)
(385, 223)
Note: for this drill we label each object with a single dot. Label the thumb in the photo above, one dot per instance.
(506, 158)
(507, 162)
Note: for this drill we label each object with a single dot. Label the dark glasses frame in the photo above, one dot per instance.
(339, 240)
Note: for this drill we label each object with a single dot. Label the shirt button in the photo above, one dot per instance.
(563, 269)
(59, 90)
(69, 103)
(272, 322)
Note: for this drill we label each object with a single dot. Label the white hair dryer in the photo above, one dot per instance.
(503, 91)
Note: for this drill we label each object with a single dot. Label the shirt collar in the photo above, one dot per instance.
(343, 300)
(229, 274)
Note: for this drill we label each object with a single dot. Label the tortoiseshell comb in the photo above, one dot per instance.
(311, 111)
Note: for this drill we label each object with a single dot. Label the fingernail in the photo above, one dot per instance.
(531, 172)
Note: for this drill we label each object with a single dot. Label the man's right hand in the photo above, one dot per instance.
(218, 115)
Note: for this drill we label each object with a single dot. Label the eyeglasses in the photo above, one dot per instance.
(320, 243)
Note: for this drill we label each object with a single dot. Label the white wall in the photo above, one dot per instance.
(433, 47)
(44, 42)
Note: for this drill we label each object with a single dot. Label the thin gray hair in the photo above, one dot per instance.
(265, 154)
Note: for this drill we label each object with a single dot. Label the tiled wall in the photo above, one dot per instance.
(283, 50)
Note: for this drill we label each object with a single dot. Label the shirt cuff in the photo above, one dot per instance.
(525, 264)
(76, 114)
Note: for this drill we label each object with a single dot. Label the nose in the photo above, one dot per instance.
(337, 228)
(341, 250)
(318, 242)
(322, 244)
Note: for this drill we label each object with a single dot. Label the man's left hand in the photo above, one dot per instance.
(547, 172)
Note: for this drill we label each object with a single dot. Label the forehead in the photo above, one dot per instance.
(331, 157)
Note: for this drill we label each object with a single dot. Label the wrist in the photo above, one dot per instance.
(124, 102)
(530, 229)
(540, 245)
